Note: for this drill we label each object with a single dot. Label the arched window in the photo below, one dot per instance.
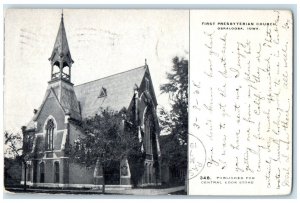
(42, 172)
(49, 135)
(56, 171)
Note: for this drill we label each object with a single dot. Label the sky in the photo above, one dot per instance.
(102, 43)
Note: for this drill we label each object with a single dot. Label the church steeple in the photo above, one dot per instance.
(61, 56)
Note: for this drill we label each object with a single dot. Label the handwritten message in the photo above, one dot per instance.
(241, 101)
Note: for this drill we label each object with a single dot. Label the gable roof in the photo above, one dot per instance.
(119, 91)
(66, 99)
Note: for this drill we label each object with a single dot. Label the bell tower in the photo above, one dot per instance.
(60, 59)
(60, 83)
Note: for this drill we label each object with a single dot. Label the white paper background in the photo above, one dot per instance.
(242, 157)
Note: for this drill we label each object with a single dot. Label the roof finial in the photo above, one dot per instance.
(145, 62)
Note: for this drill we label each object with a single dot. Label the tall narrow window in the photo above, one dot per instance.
(56, 171)
(49, 135)
(148, 133)
(147, 83)
(42, 172)
(29, 173)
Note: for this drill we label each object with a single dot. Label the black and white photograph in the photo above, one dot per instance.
(151, 101)
(96, 101)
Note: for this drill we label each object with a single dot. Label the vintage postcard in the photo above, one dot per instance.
(240, 110)
(148, 102)
(90, 101)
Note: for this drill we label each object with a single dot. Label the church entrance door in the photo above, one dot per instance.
(112, 173)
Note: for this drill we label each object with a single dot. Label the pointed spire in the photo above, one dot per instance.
(61, 53)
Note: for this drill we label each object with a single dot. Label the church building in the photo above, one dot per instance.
(56, 124)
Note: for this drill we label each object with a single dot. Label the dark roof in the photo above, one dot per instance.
(61, 49)
(119, 91)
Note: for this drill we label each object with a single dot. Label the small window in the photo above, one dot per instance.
(103, 93)
(77, 144)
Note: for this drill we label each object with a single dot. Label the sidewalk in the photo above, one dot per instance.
(142, 191)
(108, 191)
